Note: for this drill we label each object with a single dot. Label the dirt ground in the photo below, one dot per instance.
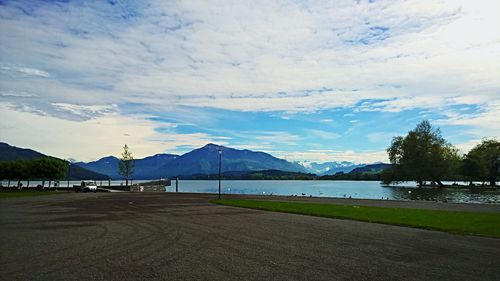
(167, 236)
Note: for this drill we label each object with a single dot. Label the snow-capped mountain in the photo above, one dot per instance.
(330, 168)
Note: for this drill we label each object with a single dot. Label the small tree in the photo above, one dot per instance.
(126, 165)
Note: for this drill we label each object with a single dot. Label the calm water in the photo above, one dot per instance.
(355, 189)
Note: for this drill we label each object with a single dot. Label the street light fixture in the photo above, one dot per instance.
(69, 167)
(220, 166)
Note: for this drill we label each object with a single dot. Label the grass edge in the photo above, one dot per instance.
(451, 231)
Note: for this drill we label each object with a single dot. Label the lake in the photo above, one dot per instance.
(354, 189)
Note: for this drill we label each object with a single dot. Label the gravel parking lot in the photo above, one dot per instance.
(166, 236)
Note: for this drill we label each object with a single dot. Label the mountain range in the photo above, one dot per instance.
(201, 161)
(330, 168)
(9, 153)
(147, 168)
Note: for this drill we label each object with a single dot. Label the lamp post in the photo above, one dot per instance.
(69, 167)
(220, 165)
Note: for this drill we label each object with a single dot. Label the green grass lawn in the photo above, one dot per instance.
(10, 194)
(473, 223)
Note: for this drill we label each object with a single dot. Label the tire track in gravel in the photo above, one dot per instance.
(158, 235)
(84, 253)
(148, 228)
(50, 264)
(140, 243)
(49, 258)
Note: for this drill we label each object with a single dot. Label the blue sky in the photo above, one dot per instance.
(303, 80)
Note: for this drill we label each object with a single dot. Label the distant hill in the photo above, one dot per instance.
(371, 169)
(106, 165)
(205, 161)
(9, 153)
(147, 168)
(201, 161)
(255, 175)
(79, 173)
(368, 172)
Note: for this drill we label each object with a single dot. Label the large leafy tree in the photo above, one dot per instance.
(422, 155)
(472, 168)
(47, 168)
(126, 164)
(16, 169)
(484, 160)
(40, 168)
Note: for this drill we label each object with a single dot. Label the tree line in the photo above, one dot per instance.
(424, 156)
(44, 168)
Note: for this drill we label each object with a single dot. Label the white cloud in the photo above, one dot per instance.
(378, 137)
(86, 111)
(326, 120)
(267, 138)
(25, 71)
(256, 147)
(320, 156)
(256, 55)
(93, 138)
(467, 146)
(482, 124)
(323, 134)
(89, 61)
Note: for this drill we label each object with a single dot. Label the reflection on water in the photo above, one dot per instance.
(446, 194)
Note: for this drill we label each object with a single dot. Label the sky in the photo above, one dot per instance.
(303, 80)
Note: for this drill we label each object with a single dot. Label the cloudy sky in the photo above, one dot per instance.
(303, 80)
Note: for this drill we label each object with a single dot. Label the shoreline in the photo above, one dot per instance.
(398, 203)
(411, 204)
